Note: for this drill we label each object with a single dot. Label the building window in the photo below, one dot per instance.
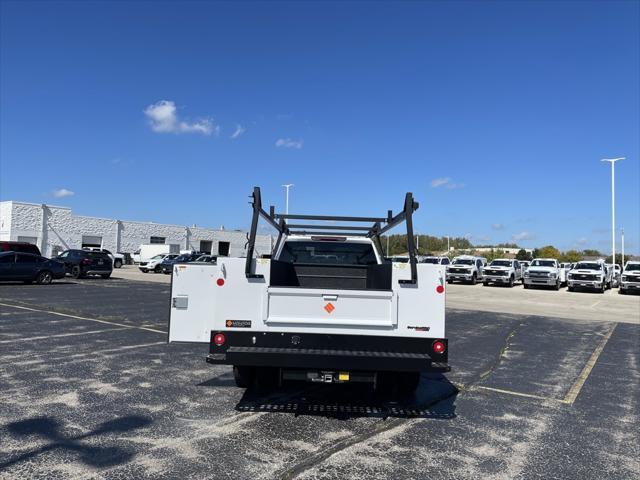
(223, 248)
(91, 241)
(33, 240)
(206, 246)
(157, 240)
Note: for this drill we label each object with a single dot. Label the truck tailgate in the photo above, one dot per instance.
(297, 306)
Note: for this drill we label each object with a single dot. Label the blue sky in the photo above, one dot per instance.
(494, 114)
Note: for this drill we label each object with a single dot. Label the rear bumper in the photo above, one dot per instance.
(320, 351)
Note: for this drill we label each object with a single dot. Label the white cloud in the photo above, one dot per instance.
(497, 226)
(446, 182)
(438, 182)
(289, 143)
(522, 236)
(163, 118)
(238, 132)
(62, 193)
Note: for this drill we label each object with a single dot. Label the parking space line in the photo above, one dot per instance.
(573, 393)
(519, 394)
(84, 318)
(45, 337)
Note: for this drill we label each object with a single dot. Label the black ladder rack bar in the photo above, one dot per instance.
(334, 233)
(329, 218)
(330, 227)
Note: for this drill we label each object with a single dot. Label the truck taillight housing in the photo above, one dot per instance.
(219, 339)
(220, 282)
(438, 347)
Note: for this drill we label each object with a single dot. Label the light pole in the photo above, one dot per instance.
(286, 205)
(622, 266)
(613, 161)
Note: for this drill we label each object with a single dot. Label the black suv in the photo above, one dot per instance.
(29, 268)
(79, 263)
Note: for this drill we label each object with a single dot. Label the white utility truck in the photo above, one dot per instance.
(503, 271)
(325, 306)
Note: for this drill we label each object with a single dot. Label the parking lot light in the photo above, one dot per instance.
(613, 161)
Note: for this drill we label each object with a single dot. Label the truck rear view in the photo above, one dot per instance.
(324, 306)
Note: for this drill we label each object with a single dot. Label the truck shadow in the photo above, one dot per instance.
(434, 398)
(52, 431)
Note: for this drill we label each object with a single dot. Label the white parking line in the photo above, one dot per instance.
(83, 318)
(46, 337)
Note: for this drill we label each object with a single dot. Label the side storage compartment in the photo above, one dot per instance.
(193, 299)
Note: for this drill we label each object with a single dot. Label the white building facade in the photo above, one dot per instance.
(55, 229)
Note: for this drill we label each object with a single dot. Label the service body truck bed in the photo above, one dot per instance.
(326, 307)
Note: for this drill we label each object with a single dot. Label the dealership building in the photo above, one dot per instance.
(55, 229)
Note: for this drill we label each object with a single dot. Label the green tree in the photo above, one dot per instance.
(549, 251)
(522, 255)
(618, 259)
(571, 256)
(591, 253)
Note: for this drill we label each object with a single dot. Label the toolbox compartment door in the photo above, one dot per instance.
(193, 300)
(298, 306)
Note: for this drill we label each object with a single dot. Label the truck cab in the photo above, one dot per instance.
(502, 271)
(436, 260)
(466, 269)
(325, 306)
(593, 275)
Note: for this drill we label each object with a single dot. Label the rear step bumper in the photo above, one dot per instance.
(320, 351)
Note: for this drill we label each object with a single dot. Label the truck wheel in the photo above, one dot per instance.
(474, 279)
(449, 281)
(106, 275)
(408, 382)
(144, 270)
(622, 291)
(511, 281)
(44, 278)
(603, 288)
(486, 284)
(557, 285)
(158, 269)
(244, 376)
(76, 272)
(570, 288)
(117, 263)
(525, 285)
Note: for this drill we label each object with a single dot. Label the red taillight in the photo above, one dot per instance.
(218, 339)
(220, 282)
(440, 289)
(438, 347)
(86, 261)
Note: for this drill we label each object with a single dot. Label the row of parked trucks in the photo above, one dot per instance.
(547, 272)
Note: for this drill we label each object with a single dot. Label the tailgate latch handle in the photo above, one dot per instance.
(330, 298)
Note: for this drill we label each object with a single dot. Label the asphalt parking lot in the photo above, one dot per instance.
(90, 389)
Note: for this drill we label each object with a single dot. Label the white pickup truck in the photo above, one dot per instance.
(590, 274)
(545, 272)
(324, 307)
(630, 278)
(467, 269)
(503, 271)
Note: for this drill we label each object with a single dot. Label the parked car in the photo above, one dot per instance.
(154, 263)
(466, 268)
(147, 252)
(28, 268)
(116, 258)
(24, 247)
(590, 274)
(207, 259)
(630, 280)
(80, 263)
(436, 260)
(545, 272)
(503, 271)
(168, 263)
